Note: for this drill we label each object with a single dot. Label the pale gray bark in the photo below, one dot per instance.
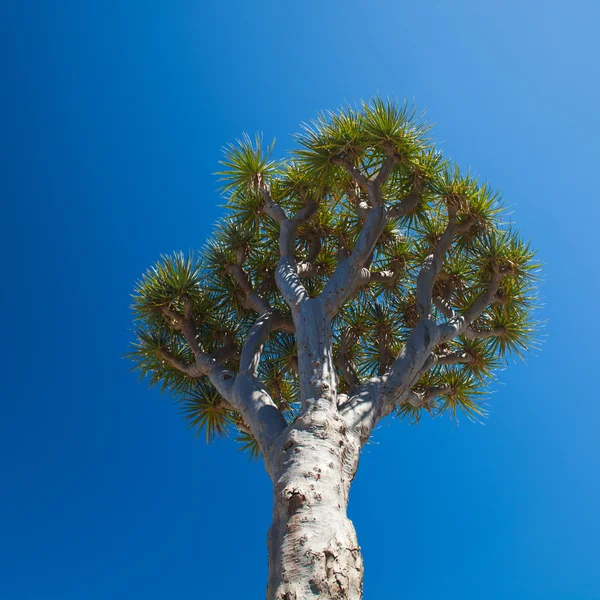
(313, 549)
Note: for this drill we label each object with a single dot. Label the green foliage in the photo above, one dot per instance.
(382, 314)
(150, 339)
(166, 283)
(203, 409)
(245, 163)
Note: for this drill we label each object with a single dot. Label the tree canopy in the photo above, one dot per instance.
(482, 292)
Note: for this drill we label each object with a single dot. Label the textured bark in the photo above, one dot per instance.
(313, 550)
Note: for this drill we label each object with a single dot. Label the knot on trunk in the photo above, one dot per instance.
(336, 571)
(295, 500)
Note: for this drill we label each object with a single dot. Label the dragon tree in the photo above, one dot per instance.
(361, 277)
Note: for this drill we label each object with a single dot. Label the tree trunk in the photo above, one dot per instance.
(313, 550)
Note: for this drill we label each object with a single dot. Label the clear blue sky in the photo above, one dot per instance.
(113, 116)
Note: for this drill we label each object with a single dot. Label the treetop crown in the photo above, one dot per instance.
(221, 289)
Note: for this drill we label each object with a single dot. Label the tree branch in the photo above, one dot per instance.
(270, 207)
(253, 346)
(455, 358)
(417, 354)
(405, 206)
(373, 186)
(433, 265)
(388, 277)
(361, 206)
(306, 269)
(459, 324)
(252, 299)
(342, 283)
(185, 324)
(286, 274)
(355, 174)
(417, 399)
(408, 364)
(386, 168)
(191, 370)
(242, 392)
(472, 334)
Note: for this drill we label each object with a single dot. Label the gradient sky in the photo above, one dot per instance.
(113, 116)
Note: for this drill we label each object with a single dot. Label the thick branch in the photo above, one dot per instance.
(373, 186)
(286, 275)
(417, 399)
(289, 284)
(366, 276)
(459, 325)
(361, 206)
(409, 362)
(388, 277)
(386, 169)
(456, 358)
(417, 354)
(191, 370)
(405, 206)
(252, 299)
(205, 365)
(270, 207)
(355, 174)
(315, 248)
(433, 265)
(252, 350)
(306, 269)
(185, 324)
(306, 212)
(242, 392)
(342, 283)
(258, 410)
(472, 334)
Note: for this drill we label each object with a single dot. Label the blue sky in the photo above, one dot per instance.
(113, 116)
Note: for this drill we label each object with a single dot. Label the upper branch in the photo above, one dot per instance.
(373, 186)
(417, 399)
(460, 324)
(192, 370)
(286, 275)
(346, 276)
(185, 324)
(355, 174)
(433, 265)
(242, 392)
(483, 334)
(258, 335)
(455, 358)
(252, 298)
(407, 366)
(405, 206)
